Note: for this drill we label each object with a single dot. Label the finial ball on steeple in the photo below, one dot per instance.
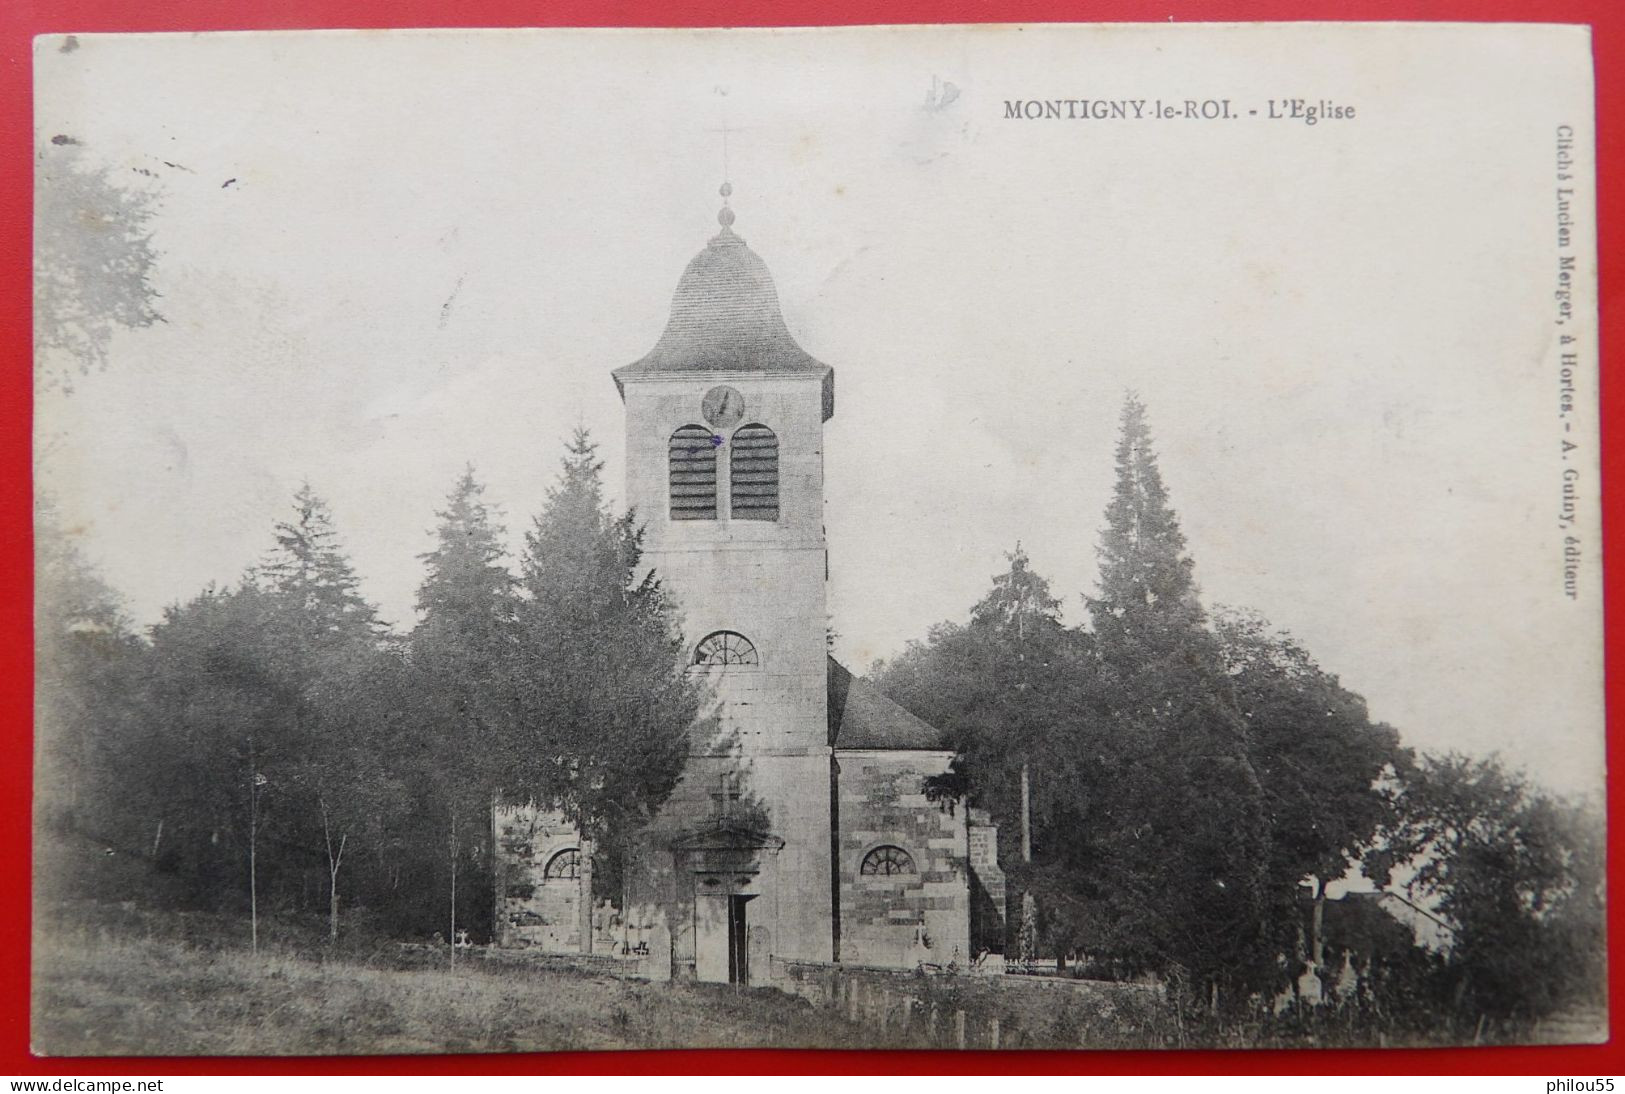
(725, 217)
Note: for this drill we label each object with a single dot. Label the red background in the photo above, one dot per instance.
(22, 19)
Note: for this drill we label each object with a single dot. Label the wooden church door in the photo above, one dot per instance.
(738, 940)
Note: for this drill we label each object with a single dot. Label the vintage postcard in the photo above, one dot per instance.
(982, 537)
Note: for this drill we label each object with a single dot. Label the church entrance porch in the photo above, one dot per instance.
(725, 872)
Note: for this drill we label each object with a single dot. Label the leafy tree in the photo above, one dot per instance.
(353, 772)
(1187, 842)
(1518, 873)
(989, 683)
(87, 664)
(222, 719)
(1006, 689)
(94, 260)
(1320, 760)
(603, 699)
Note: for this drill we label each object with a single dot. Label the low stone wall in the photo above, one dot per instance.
(997, 1010)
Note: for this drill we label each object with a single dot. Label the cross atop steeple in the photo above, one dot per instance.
(724, 130)
(725, 216)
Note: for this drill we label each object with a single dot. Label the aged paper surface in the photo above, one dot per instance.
(1337, 281)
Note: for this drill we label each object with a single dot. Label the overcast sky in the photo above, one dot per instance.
(438, 245)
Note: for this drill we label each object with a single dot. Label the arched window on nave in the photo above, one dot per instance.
(564, 866)
(886, 861)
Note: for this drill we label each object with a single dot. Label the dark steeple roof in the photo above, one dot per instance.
(861, 717)
(725, 317)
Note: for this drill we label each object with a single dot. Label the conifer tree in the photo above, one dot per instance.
(992, 684)
(323, 647)
(1189, 840)
(605, 703)
(1147, 598)
(466, 602)
(1017, 627)
(309, 573)
(461, 653)
(1020, 606)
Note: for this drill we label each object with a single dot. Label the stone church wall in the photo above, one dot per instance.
(987, 909)
(531, 909)
(901, 921)
(783, 798)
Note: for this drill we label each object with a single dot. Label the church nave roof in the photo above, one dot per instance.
(860, 717)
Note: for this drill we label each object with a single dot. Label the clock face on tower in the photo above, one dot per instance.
(723, 406)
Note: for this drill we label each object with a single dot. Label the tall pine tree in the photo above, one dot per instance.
(1189, 838)
(309, 573)
(605, 703)
(324, 646)
(461, 654)
(1147, 600)
(466, 602)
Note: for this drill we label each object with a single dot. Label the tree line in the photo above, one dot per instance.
(273, 745)
(1175, 790)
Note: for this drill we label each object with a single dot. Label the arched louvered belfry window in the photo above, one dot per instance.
(692, 463)
(753, 473)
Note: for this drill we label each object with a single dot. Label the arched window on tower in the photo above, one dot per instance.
(753, 473)
(692, 463)
(725, 648)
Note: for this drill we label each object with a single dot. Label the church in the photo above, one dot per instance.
(800, 831)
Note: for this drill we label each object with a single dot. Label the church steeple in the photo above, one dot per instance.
(725, 317)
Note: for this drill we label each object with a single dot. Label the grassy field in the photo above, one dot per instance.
(146, 983)
(124, 990)
(118, 976)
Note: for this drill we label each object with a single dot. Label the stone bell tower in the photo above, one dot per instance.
(724, 436)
